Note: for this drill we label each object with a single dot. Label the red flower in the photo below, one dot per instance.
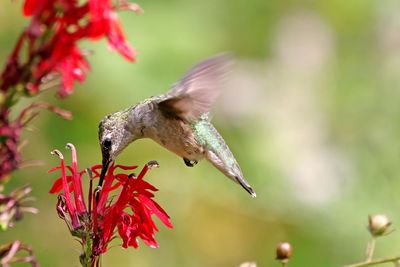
(51, 44)
(130, 211)
(52, 36)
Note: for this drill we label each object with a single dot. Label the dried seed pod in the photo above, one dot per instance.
(284, 251)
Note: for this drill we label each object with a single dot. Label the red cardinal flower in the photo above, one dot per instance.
(125, 203)
(47, 54)
(52, 36)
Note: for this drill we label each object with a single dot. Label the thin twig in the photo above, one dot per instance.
(374, 262)
(370, 249)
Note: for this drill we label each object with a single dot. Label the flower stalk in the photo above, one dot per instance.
(370, 249)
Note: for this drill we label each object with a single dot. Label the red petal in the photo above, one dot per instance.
(53, 169)
(99, 13)
(78, 74)
(151, 242)
(132, 7)
(146, 186)
(57, 186)
(125, 167)
(94, 170)
(95, 167)
(73, 13)
(67, 76)
(116, 39)
(121, 176)
(157, 210)
(79, 60)
(30, 6)
(118, 184)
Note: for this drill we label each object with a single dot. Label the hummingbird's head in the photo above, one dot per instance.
(113, 138)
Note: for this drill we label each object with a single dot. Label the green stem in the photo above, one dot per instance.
(284, 263)
(375, 261)
(370, 249)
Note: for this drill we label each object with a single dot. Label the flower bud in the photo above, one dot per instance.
(379, 225)
(284, 251)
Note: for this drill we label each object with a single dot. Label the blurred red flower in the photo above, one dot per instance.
(130, 211)
(47, 53)
(52, 36)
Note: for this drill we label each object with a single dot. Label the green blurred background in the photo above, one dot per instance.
(311, 113)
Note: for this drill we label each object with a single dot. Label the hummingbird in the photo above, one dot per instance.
(178, 120)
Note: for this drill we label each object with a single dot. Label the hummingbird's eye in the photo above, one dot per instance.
(107, 143)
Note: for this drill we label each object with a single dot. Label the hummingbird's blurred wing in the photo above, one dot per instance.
(194, 94)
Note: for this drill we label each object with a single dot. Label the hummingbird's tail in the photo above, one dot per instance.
(218, 153)
(246, 186)
(229, 167)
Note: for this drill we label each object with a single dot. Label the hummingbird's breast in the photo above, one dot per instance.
(175, 135)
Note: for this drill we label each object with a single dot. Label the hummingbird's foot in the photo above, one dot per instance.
(190, 163)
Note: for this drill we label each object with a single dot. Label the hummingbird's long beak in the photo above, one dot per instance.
(106, 164)
(103, 173)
